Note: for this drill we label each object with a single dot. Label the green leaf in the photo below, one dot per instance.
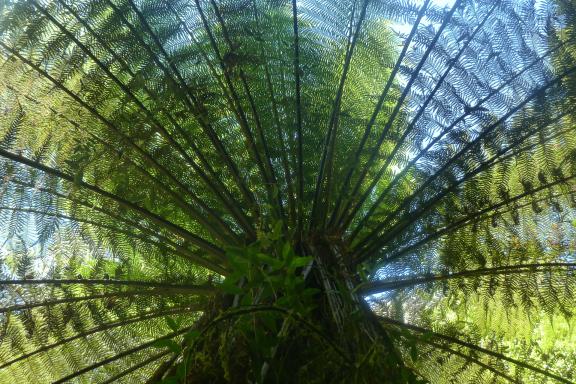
(172, 324)
(277, 230)
(168, 343)
(230, 286)
(269, 320)
(310, 291)
(191, 336)
(414, 352)
(181, 372)
(298, 262)
(286, 250)
(272, 262)
(78, 177)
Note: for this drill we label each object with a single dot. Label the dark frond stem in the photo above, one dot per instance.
(350, 216)
(135, 367)
(237, 107)
(92, 110)
(330, 140)
(279, 134)
(377, 108)
(464, 356)
(205, 57)
(532, 146)
(375, 287)
(271, 175)
(214, 138)
(186, 207)
(496, 159)
(199, 216)
(473, 347)
(284, 150)
(64, 176)
(231, 238)
(219, 189)
(165, 369)
(298, 103)
(205, 289)
(66, 300)
(192, 103)
(100, 328)
(474, 217)
(375, 151)
(488, 130)
(177, 248)
(469, 358)
(199, 242)
(181, 203)
(121, 355)
(460, 223)
(412, 162)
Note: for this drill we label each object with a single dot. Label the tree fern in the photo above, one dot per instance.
(287, 191)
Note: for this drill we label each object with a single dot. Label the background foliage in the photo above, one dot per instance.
(287, 191)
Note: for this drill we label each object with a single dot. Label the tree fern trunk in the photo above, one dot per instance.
(338, 327)
(348, 316)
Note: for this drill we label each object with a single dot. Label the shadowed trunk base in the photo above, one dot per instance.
(332, 338)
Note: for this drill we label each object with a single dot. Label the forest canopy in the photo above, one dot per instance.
(287, 191)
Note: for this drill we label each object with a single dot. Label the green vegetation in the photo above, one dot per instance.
(275, 191)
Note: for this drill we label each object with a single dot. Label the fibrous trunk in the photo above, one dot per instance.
(330, 337)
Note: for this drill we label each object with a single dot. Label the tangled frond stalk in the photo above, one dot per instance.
(355, 191)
